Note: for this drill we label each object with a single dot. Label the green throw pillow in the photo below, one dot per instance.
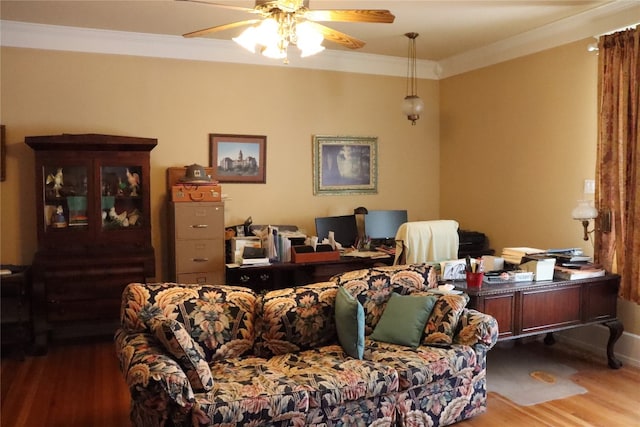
(350, 323)
(403, 319)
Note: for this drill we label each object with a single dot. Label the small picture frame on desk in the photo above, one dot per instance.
(238, 158)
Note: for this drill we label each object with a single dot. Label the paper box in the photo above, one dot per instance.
(196, 193)
(300, 254)
(542, 268)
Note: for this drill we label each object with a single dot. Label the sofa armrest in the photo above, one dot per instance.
(476, 328)
(159, 387)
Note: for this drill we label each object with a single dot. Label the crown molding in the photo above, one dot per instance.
(74, 39)
(600, 20)
(592, 23)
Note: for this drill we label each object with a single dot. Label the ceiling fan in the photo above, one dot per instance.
(284, 22)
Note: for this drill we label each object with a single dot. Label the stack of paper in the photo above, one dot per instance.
(574, 274)
(514, 255)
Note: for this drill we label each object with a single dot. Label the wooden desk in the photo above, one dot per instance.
(530, 308)
(287, 274)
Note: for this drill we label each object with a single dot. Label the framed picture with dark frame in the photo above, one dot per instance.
(345, 165)
(238, 158)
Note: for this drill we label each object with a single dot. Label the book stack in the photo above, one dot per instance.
(566, 273)
(514, 255)
(572, 264)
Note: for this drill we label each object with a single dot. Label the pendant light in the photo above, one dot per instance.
(412, 105)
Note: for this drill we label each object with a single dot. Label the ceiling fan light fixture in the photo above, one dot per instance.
(247, 39)
(286, 22)
(274, 52)
(412, 105)
(308, 39)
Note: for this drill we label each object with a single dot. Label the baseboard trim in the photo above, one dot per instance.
(593, 339)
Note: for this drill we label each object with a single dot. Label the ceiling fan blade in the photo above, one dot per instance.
(227, 6)
(355, 15)
(338, 37)
(220, 28)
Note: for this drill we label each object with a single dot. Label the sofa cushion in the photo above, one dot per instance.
(252, 391)
(218, 317)
(404, 318)
(296, 319)
(443, 321)
(373, 286)
(439, 369)
(350, 323)
(184, 349)
(331, 377)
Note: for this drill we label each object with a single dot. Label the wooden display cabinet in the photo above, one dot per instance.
(94, 230)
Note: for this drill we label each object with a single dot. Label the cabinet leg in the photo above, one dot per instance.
(615, 331)
(549, 339)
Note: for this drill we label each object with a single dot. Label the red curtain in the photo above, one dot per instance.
(618, 159)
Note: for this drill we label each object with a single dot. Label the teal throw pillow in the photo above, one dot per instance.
(350, 323)
(403, 319)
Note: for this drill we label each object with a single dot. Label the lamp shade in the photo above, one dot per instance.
(584, 211)
(412, 107)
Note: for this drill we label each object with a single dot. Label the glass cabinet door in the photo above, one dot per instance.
(122, 203)
(65, 197)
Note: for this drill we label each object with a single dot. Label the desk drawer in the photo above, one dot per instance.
(550, 309)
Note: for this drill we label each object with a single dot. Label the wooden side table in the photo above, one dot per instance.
(15, 310)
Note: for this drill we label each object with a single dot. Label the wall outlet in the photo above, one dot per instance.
(589, 186)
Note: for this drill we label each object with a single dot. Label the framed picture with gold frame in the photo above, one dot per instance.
(238, 158)
(345, 165)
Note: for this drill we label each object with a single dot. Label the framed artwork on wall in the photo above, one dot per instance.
(238, 158)
(345, 165)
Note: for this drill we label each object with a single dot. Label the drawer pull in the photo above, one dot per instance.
(199, 259)
(199, 226)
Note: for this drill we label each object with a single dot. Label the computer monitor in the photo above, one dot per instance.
(383, 225)
(344, 229)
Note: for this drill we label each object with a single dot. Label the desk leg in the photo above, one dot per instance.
(549, 339)
(615, 331)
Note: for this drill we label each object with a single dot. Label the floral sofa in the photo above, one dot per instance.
(205, 355)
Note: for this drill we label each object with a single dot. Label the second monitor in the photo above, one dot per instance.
(382, 226)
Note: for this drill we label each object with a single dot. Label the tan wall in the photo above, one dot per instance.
(181, 102)
(517, 141)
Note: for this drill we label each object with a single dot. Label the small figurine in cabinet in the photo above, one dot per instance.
(57, 180)
(59, 220)
(134, 183)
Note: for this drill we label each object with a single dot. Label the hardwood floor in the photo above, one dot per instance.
(79, 385)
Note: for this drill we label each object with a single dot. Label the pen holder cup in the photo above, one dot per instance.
(474, 280)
